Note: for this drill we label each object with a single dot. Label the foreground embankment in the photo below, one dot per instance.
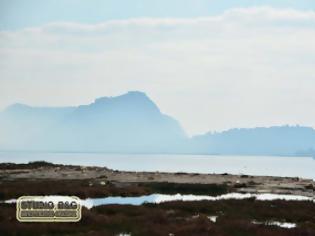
(248, 216)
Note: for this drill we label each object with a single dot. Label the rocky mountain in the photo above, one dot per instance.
(132, 123)
(126, 123)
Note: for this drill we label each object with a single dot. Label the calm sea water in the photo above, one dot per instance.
(303, 167)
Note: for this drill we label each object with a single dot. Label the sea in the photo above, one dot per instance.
(302, 167)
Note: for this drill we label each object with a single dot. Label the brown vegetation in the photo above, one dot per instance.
(178, 218)
(235, 217)
(100, 188)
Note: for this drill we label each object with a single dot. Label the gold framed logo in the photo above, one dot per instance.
(48, 209)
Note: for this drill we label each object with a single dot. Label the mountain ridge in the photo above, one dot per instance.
(130, 122)
(133, 123)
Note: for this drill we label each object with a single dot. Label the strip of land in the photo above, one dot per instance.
(247, 217)
(47, 178)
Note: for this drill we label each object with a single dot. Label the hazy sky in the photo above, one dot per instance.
(211, 64)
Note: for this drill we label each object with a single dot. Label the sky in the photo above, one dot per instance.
(211, 64)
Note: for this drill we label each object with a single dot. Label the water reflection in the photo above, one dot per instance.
(159, 198)
(302, 167)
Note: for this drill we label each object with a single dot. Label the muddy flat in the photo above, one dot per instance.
(99, 177)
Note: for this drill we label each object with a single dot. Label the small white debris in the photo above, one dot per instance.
(102, 183)
(195, 216)
(276, 223)
(213, 218)
(282, 225)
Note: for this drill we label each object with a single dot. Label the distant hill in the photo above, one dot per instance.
(127, 123)
(276, 140)
(132, 123)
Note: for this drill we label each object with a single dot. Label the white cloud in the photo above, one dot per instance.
(245, 67)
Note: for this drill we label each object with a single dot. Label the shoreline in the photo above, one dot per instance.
(248, 216)
(302, 167)
(101, 181)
